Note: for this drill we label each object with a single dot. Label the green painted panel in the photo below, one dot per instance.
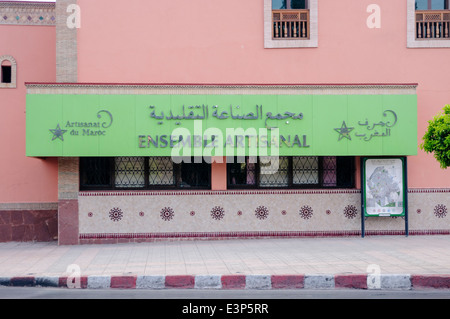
(165, 125)
(363, 127)
(44, 111)
(330, 122)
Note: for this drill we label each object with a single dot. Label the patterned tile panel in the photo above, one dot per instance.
(249, 213)
(31, 13)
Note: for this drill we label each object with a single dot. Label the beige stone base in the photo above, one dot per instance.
(249, 213)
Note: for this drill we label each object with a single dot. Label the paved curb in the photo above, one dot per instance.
(307, 281)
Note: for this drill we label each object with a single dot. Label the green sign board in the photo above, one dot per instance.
(220, 125)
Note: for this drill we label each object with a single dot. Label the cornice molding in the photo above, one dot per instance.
(194, 85)
(183, 88)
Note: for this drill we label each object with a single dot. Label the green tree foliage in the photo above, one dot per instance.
(437, 139)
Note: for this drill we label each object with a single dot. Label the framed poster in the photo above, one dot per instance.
(384, 189)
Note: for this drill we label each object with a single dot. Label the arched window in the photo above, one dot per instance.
(8, 72)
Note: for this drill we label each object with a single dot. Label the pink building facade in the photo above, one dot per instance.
(88, 157)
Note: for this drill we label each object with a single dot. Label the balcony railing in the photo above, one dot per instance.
(290, 24)
(433, 24)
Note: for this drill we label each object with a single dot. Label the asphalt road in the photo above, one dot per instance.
(190, 294)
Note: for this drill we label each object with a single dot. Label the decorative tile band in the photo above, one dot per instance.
(262, 234)
(29, 5)
(254, 234)
(27, 13)
(248, 192)
(429, 190)
(208, 192)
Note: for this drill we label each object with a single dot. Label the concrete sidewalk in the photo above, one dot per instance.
(390, 262)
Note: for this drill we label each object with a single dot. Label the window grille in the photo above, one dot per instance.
(329, 171)
(193, 175)
(274, 172)
(95, 172)
(142, 173)
(305, 170)
(241, 171)
(294, 172)
(160, 171)
(129, 172)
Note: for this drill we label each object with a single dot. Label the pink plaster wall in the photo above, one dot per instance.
(219, 174)
(25, 180)
(203, 41)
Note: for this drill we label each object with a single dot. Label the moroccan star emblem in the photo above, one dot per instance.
(58, 133)
(344, 131)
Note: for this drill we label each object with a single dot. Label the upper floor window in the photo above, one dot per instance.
(432, 19)
(290, 19)
(289, 4)
(290, 23)
(8, 69)
(6, 73)
(431, 4)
